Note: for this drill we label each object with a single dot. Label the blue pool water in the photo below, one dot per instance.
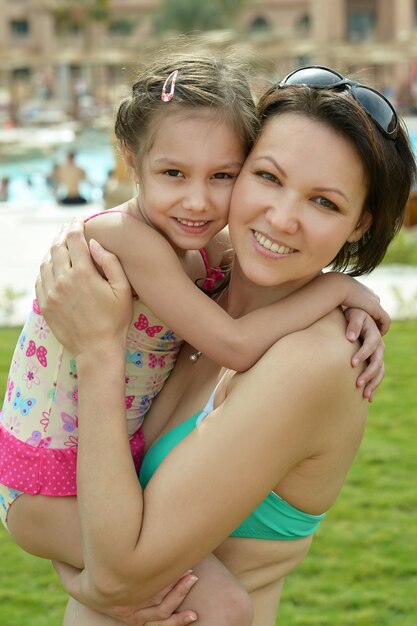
(28, 174)
(94, 153)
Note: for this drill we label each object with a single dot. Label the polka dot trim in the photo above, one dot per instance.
(47, 471)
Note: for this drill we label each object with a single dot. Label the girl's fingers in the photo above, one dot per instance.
(356, 319)
(372, 376)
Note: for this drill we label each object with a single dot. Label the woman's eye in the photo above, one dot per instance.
(174, 173)
(326, 203)
(269, 177)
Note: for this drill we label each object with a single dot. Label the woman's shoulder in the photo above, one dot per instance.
(306, 365)
(323, 343)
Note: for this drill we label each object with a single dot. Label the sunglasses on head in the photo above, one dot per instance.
(379, 109)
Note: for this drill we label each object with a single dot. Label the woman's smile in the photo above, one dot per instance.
(269, 245)
(299, 216)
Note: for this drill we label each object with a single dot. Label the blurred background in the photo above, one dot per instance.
(64, 66)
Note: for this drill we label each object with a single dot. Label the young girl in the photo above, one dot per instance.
(184, 132)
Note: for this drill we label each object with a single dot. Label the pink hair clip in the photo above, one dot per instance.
(166, 96)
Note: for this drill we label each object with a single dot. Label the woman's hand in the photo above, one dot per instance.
(83, 309)
(157, 611)
(361, 325)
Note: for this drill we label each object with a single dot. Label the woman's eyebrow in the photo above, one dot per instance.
(333, 189)
(267, 157)
(282, 172)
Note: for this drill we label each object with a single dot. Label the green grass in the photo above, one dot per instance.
(362, 568)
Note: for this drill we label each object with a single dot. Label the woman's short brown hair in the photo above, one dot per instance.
(389, 164)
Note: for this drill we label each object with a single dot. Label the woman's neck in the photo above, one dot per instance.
(244, 296)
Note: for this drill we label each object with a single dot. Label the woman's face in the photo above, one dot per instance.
(297, 200)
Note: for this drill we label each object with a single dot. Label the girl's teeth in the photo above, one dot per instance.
(269, 245)
(188, 223)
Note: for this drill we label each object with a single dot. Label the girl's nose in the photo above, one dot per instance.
(196, 198)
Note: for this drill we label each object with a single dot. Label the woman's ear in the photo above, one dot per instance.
(361, 228)
(130, 160)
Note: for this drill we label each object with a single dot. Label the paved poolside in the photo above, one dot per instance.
(26, 233)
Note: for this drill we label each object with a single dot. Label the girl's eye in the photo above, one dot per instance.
(174, 173)
(268, 176)
(326, 203)
(223, 176)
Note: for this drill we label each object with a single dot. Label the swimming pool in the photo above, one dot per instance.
(28, 172)
(94, 153)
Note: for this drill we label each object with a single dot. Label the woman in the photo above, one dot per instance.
(327, 180)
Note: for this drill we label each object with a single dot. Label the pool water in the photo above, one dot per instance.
(28, 174)
(94, 153)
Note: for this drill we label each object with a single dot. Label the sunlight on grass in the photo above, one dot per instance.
(362, 568)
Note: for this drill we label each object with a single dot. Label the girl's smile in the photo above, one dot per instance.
(187, 176)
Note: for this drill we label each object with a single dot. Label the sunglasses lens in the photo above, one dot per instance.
(313, 77)
(377, 107)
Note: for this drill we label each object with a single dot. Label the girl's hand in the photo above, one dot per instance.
(83, 309)
(361, 325)
(157, 611)
(361, 297)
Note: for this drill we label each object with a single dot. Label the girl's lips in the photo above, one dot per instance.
(271, 246)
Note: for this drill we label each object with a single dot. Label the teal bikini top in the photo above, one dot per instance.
(273, 518)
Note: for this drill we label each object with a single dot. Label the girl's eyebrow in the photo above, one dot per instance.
(282, 172)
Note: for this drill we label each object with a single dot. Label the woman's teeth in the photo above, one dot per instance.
(188, 223)
(269, 245)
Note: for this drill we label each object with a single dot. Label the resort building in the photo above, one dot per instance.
(76, 53)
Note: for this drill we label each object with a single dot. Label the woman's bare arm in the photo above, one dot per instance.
(134, 547)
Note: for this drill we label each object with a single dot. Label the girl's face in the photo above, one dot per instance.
(298, 199)
(187, 176)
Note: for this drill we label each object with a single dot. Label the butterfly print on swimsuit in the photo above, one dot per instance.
(129, 401)
(39, 351)
(73, 369)
(36, 440)
(70, 422)
(142, 323)
(156, 361)
(134, 357)
(23, 404)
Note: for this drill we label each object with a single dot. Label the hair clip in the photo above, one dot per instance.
(166, 96)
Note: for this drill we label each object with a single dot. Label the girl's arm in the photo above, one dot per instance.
(135, 545)
(156, 274)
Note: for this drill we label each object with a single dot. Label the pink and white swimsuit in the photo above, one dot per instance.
(38, 422)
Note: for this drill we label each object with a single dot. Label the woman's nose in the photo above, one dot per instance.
(283, 216)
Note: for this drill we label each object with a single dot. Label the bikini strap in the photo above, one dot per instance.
(209, 407)
(90, 217)
(214, 274)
